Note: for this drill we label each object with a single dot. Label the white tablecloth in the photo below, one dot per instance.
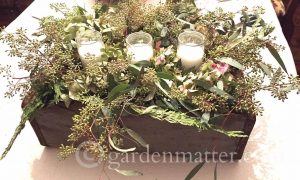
(271, 153)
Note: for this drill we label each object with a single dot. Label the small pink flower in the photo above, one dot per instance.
(214, 66)
(221, 68)
(160, 60)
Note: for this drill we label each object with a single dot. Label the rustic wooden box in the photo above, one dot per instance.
(52, 126)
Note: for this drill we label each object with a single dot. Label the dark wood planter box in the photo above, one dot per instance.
(52, 126)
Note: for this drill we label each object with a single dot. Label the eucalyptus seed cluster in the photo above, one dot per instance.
(162, 17)
(177, 93)
(97, 75)
(117, 67)
(210, 102)
(66, 151)
(84, 128)
(149, 78)
(245, 93)
(129, 15)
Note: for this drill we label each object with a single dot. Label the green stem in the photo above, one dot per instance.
(28, 111)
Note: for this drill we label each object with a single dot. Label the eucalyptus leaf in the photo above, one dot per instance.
(136, 137)
(182, 15)
(148, 109)
(265, 68)
(251, 20)
(231, 62)
(74, 27)
(275, 79)
(165, 75)
(136, 83)
(166, 84)
(213, 89)
(37, 34)
(80, 10)
(133, 92)
(276, 55)
(66, 99)
(164, 32)
(106, 112)
(158, 25)
(244, 29)
(162, 89)
(134, 69)
(220, 84)
(290, 88)
(170, 105)
(231, 133)
(150, 96)
(90, 22)
(232, 23)
(205, 117)
(129, 172)
(189, 108)
(73, 44)
(73, 95)
(111, 82)
(194, 171)
(215, 172)
(245, 16)
(221, 31)
(142, 71)
(119, 149)
(143, 63)
(96, 26)
(234, 43)
(160, 103)
(268, 30)
(57, 91)
(117, 91)
(107, 30)
(104, 8)
(235, 35)
(180, 78)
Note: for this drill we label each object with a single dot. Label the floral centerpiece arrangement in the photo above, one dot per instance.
(167, 61)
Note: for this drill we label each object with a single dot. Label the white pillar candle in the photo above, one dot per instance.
(139, 46)
(190, 49)
(90, 48)
(89, 43)
(140, 52)
(190, 54)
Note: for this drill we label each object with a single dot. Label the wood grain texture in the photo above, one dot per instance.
(52, 126)
(11, 9)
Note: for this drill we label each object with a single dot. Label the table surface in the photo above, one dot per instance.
(271, 152)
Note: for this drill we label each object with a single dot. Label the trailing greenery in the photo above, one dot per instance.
(171, 116)
(231, 73)
(28, 111)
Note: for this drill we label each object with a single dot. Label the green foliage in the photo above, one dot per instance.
(171, 116)
(194, 171)
(66, 151)
(136, 137)
(129, 172)
(276, 56)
